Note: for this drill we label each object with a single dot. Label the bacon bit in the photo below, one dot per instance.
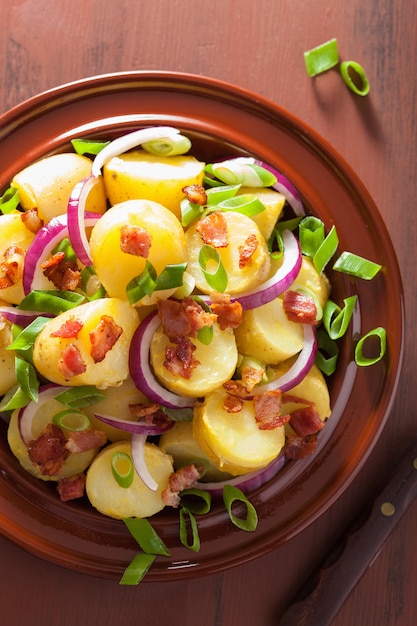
(306, 421)
(267, 410)
(64, 274)
(235, 388)
(12, 266)
(232, 404)
(251, 376)
(184, 478)
(48, 451)
(69, 329)
(71, 488)
(31, 220)
(196, 194)
(298, 447)
(213, 230)
(135, 240)
(150, 413)
(299, 307)
(84, 440)
(229, 314)
(179, 358)
(103, 337)
(71, 364)
(183, 318)
(247, 250)
(289, 397)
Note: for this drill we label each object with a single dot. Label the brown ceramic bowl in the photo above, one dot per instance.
(220, 119)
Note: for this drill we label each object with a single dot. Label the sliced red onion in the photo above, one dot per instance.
(285, 186)
(27, 413)
(76, 219)
(41, 248)
(247, 482)
(280, 281)
(141, 372)
(299, 369)
(21, 317)
(138, 428)
(128, 142)
(137, 450)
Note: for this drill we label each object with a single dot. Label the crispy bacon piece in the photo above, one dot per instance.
(149, 413)
(69, 329)
(247, 250)
(103, 337)
(232, 404)
(31, 220)
(251, 376)
(298, 447)
(268, 410)
(213, 230)
(184, 478)
(11, 266)
(48, 451)
(70, 364)
(179, 358)
(299, 308)
(306, 421)
(235, 388)
(64, 274)
(71, 488)
(135, 240)
(83, 440)
(196, 194)
(229, 314)
(183, 318)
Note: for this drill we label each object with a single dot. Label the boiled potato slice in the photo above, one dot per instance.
(309, 279)
(13, 232)
(106, 495)
(46, 185)
(239, 229)
(74, 464)
(167, 245)
(274, 203)
(7, 357)
(267, 334)
(180, 443)
(138, 174)
(218, 362)
(233, 440)
(113, 369)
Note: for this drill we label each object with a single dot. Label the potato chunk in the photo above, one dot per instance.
(274, 203)
(309, 279)
(13, 233)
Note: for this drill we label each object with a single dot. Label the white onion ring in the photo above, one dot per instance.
(76, 219)
(137, 450)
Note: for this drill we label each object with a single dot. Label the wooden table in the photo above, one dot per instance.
(257, 45)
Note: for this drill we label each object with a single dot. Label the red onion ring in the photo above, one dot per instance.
(285, 186)
(138, 428)
(27, 413)
(76, 219)
(137, 450)
(21, 317)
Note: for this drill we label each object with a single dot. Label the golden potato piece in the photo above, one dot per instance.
(7, 358)
(106, 495)
(274, 203)
(309, 279)
(13, 232)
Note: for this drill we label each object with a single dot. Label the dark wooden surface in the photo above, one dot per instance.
(258, 45)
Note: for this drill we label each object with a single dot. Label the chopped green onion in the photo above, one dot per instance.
(354, 77)
(231, 495)
(246, 204)
(311, 235)
(198, 501)
(335, 319)
(380, 335)
(253, 363)
(122, 469)
(357, 266)
(142, 531)
(142, 285)
(9, 201)
(326, 250)
(65, 246)
(78, 397)
(26, 337)
(221, 193)
(137, 569)
(327, 354)
(171, 276)
(217, 279)
(88, 146)
(26, 377)
(71, 420)
(91, 285)
(321, 58)
(185, 517)
(190, 211)
(169, 146)
(52, 301)
(179, 415)
(240, 171)
(206, 333)
(15, 398)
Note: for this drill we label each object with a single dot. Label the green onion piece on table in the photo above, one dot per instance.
(321, 58)
(137, 569)
(354, 77)
(147, 538)
(232, 495)
(380, 335)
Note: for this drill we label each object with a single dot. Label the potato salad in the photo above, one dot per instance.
(158, 322)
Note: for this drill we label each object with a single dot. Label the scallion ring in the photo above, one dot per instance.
(380, 335)
(71, 420)
(321, 58)
(335, 319)
(354, 77)
(327, 353)
(231, 495)
(217, 279)
(189, 523)
(122, 469)
(196, 501)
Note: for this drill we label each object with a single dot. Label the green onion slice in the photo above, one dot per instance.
(326, 250)
(206, 333)
(26, 377)
(168, 146)
(354, 77)
(321, 58)
(78, 397)
(189, 523)
(91, 285)
(221, 193)
(9, 201)
(357, 266)
(88, 146)
(71, 420)
(241, 171)
(197, 501)
(122, 469)
(335, 319)
(246, 204)
(171, 276)
(231, 495)
(26, 337)
(15, 398)
(52, 301)
(179, 415)
(190, 211)
(142, 285)
(217, 279)
(327, 354)
(311, 235)
(65, 246)
(137, 569)
(144, 534)
(380, 335)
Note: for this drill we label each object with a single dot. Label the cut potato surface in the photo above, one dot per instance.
(138, 174)
(47, 185)
(233, 440)
(309, 279)
(106, 495)
(218, 362)
(7, 357)
(240, 230)
(13, 232)
(167, 245)
(273, 202)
